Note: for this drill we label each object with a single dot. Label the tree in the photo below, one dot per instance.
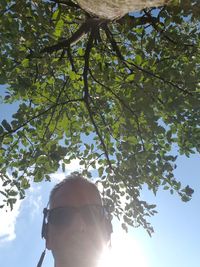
(113, 10)
(130, 84)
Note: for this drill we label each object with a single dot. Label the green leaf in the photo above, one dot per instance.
(100, 171)
(120, 105)
(39, 176)
(58, 28)
(12, 193)
(138, 59)
(25, 62)
(130, 78)
(6, 125)
(1, 130)
(25, 183)
(166, 187)
(56, 14)
(11, 202)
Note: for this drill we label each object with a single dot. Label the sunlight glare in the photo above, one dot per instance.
(126, 251)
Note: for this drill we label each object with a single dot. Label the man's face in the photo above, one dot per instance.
(79, 243)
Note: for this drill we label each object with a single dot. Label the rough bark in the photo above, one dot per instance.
(116, 9)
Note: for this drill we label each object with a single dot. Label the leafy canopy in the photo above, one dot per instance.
(117, 95)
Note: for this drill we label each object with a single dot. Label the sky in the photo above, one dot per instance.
(176, 241)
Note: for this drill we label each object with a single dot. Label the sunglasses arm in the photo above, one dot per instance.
(41, 258)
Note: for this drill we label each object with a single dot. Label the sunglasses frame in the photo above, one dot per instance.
(103, 213)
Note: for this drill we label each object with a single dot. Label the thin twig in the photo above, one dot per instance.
(86, 94)
(71, 60)
(94, 160)
(127, 63)
(40, 114)
(54, 110)
(162, 32)
(6, 10)
(110, 90)
(107, 126)
(87, 26)
(83, 29)
(125, 105)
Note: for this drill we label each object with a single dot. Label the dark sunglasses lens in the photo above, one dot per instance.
(92, 214)
(61, 216)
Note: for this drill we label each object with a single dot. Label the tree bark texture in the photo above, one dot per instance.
(115, 9)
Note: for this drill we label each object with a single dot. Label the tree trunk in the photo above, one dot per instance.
(115, 9)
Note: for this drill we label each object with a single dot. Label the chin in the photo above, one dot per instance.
(79, 260)
(79, 256)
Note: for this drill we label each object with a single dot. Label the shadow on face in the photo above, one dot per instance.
(79, 243)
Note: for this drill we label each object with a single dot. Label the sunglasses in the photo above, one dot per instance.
(63, 216)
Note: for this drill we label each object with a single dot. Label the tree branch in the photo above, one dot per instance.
(127, 63)
(86, 94)
(87, 26)
(71, 58)
(110, 90)
(162, 32)
(125, 105)
(13, 146)
(94, 161)
(66, 3)
(83, 29)
(2, 12)
(54, 110)
(107, 126)
(40, 114)
(136, 21)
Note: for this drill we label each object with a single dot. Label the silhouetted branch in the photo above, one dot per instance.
(162, 32)
(87, 26)
(127, 63)
(136, 21)
(83, 29)
(54, 110)
(40, 114)
(71, 60)
(86, 94)
(123, 104)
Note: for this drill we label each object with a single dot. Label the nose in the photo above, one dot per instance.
(79, 223)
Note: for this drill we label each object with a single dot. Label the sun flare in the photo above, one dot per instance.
(126, 251)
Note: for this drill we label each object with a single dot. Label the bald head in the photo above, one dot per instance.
(75, 191)
(80, 242)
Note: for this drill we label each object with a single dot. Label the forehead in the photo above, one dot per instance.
(75, 193)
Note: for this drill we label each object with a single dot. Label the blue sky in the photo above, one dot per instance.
(176, 241)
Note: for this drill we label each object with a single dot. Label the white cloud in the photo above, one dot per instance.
(8, 220)
(57, 177)
(72, 167)
(75, 166)
(34, 199)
